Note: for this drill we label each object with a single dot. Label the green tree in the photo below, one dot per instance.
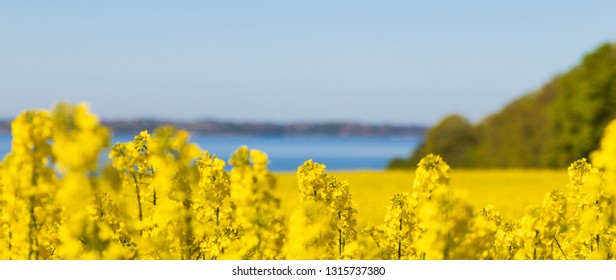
(585, 103)
(516, 136)
(453, 138)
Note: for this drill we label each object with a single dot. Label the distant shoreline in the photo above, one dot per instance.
(222, 128)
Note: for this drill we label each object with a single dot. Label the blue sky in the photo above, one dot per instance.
(370, 61)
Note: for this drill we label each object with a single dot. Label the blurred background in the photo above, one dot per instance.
(353, 84)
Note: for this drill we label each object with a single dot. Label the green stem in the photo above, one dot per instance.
(217, 215)
(400, 243)
(138, 197)
(561, 249)
(340, 245)
(31, 228)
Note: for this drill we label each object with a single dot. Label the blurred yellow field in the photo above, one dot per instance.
(510, 191)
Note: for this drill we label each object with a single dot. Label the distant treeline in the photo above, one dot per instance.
(265, 129)
(561, 122)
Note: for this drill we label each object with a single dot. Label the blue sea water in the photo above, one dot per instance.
(287, 153)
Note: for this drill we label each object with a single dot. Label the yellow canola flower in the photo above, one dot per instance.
(431, 174)
(316, 185)
(78, 138)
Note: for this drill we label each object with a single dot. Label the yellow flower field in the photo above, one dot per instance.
(510, 190)
(162, 197)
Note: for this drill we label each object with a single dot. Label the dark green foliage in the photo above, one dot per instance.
(585, 103)
(452, 138)
(552, 127)
(401, 163)
(516, 136)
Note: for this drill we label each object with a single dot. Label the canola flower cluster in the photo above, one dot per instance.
(162, 197)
